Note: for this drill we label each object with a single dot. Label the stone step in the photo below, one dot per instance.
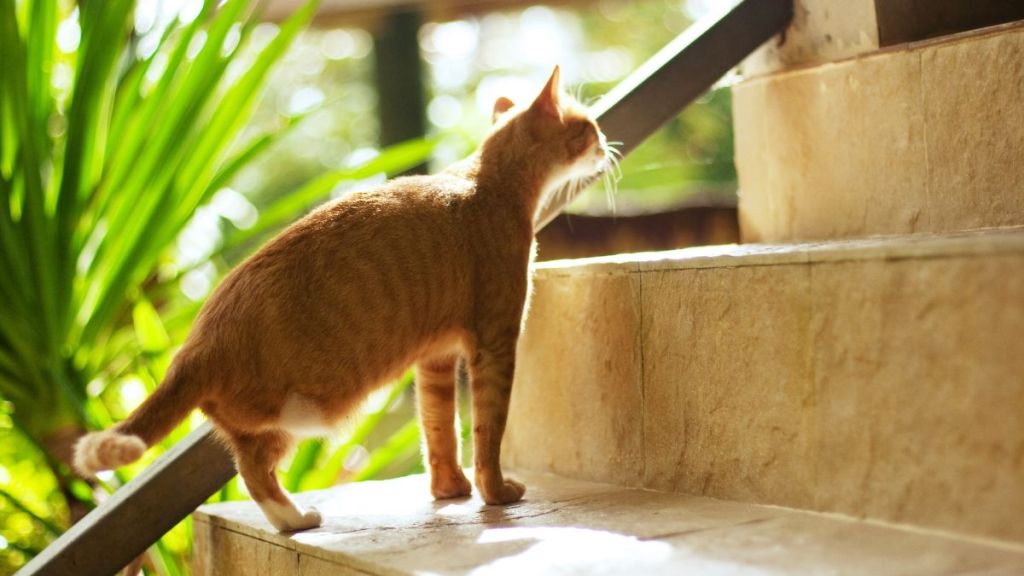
(571, 527)
(878, 378)
(920, 137)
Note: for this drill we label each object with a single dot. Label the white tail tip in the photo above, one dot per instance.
(106, 450)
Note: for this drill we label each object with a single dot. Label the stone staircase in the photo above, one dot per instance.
(877, 378)
(845, 396)
(572, 527)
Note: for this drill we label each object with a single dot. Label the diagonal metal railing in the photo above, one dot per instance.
(138, 514)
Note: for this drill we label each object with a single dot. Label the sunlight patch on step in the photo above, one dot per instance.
(967, 243)
(457, 510)
(572, 549)
(722, 254)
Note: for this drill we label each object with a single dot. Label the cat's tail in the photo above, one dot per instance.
(154, 419)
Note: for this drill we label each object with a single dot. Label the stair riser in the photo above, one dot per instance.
(926, 138)
(888, 387)
(222, 552)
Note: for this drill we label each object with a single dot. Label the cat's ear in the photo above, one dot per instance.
(501, 105)
(547, 102)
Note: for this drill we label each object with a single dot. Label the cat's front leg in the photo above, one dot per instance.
(491, 376)
(435, 392)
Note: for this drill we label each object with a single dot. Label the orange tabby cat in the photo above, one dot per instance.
(424, 270)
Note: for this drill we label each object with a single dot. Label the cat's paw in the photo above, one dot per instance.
(310, 519)
(449, 484)
(297, 520)
(510, 491)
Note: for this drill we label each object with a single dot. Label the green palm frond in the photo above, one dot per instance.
(106, 153)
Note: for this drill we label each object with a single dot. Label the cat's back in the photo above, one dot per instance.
(436, 199)
(401, 216)
(375, 256)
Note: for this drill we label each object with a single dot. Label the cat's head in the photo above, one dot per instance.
(555, 130)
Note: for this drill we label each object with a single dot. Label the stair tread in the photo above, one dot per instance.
(968, 243)
(569, 526)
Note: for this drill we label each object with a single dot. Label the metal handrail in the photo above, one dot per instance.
(138, 514)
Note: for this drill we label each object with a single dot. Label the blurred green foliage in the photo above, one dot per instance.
(471, 61)
(118, 133)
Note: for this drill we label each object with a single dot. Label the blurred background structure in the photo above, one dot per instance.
(390, 70)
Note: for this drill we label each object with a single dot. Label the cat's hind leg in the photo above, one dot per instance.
(257, 456)
(435, 392)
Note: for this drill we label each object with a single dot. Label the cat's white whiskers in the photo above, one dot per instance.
(613, 187)
(611, 174)
(576, 186)
(573, 189)
(612, 156)
(614, 159)
(608, 197)
(554, 197)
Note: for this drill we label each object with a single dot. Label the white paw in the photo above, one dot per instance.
(310, 519)
(302, 521)
(288, 518)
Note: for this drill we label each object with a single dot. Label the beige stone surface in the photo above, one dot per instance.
(975, 131)
(922, 421)
(1008, 240)
(881, 378)
(925, 138)
(219, 552)
(588, 317)
(811, 147)
(719, 345)
(573, 527)
(821, 31)
(311, 566)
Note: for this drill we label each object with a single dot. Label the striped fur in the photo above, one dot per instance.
(423, 270)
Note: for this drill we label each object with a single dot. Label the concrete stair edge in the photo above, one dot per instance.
(568, 526)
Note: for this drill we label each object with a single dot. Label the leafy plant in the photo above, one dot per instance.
(111, 139)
